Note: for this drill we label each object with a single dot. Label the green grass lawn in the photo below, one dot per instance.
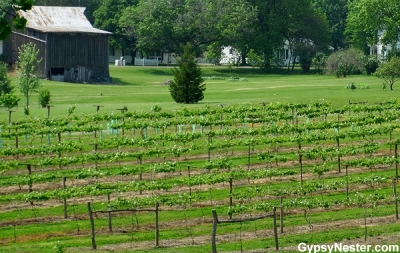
(141, 88)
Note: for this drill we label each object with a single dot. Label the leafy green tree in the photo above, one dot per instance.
(286, 20)
(17, 22)
(319, 62)
(28, 61)
(389, 72)
(370, 21)
(307, 35)
(107, 17)
(187, 86)
(9, 100)
(44, 97)
(5, 82)
(167, 24)
(336, 12)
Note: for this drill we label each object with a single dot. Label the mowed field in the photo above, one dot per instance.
(141, 88)
(257, 142)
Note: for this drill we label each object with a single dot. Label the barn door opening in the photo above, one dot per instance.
(57, 74)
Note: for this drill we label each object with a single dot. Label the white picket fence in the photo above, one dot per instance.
(146, 62)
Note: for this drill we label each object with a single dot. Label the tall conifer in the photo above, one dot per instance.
(188, 86)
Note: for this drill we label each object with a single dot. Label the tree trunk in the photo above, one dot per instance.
(244, 56)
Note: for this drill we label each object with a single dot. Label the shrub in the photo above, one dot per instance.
(44, 97)
(319, 62)
(9, 100)
(5, 82)
(345, 62)
(371, 63)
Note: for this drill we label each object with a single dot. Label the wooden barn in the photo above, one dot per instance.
(70, 48)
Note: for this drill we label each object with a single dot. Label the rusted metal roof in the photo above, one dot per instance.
(59, 20)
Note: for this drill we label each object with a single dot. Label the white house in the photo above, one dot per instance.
(1, 47)
(149, 60)
(382, 50)
(284, 55)
(228, 55)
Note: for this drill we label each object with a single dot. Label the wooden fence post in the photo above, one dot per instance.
(347, 182)
(141, 172)
(214, 231)
(301, 168)
(28, 167)
(109, 214)
(64, 199)
(275, 230)
(397, 163)
(190, 188)
(395, 198)
(338, 147)
(281, 214)
(92, 226)
(248, 158)
(230, 197)
(157, 230)
(95, 152)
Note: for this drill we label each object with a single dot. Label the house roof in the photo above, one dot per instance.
(59, 20)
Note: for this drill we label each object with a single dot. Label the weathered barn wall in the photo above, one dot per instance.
(15, 41)
(76, 51)
(71, 49)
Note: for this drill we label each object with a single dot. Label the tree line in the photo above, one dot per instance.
(256, 28)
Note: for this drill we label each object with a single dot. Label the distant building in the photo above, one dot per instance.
(71, 49)
(381, 50)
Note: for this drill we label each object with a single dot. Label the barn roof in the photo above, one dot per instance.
(59, 20)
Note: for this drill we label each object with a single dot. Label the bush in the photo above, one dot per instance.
(371, 63)
(44, 97)
(9, 100)
(5, 82)
(319, 62)
(345, 62)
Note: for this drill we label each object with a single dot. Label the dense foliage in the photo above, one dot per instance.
(16, 22)
(5, 81)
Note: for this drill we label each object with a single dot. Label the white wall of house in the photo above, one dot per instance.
(229, 55)
(382, 50)
(232, 55)
(165, 58)
(1, 46)
(116, 54)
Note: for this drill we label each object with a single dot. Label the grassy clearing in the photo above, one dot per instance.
(141, 88)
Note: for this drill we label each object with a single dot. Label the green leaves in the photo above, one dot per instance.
(5, 29)
(23, 5)
(17, 22)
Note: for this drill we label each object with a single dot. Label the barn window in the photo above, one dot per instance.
(57, 74)
(57, 71)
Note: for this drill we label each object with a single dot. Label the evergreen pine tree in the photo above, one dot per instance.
(187, 86)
